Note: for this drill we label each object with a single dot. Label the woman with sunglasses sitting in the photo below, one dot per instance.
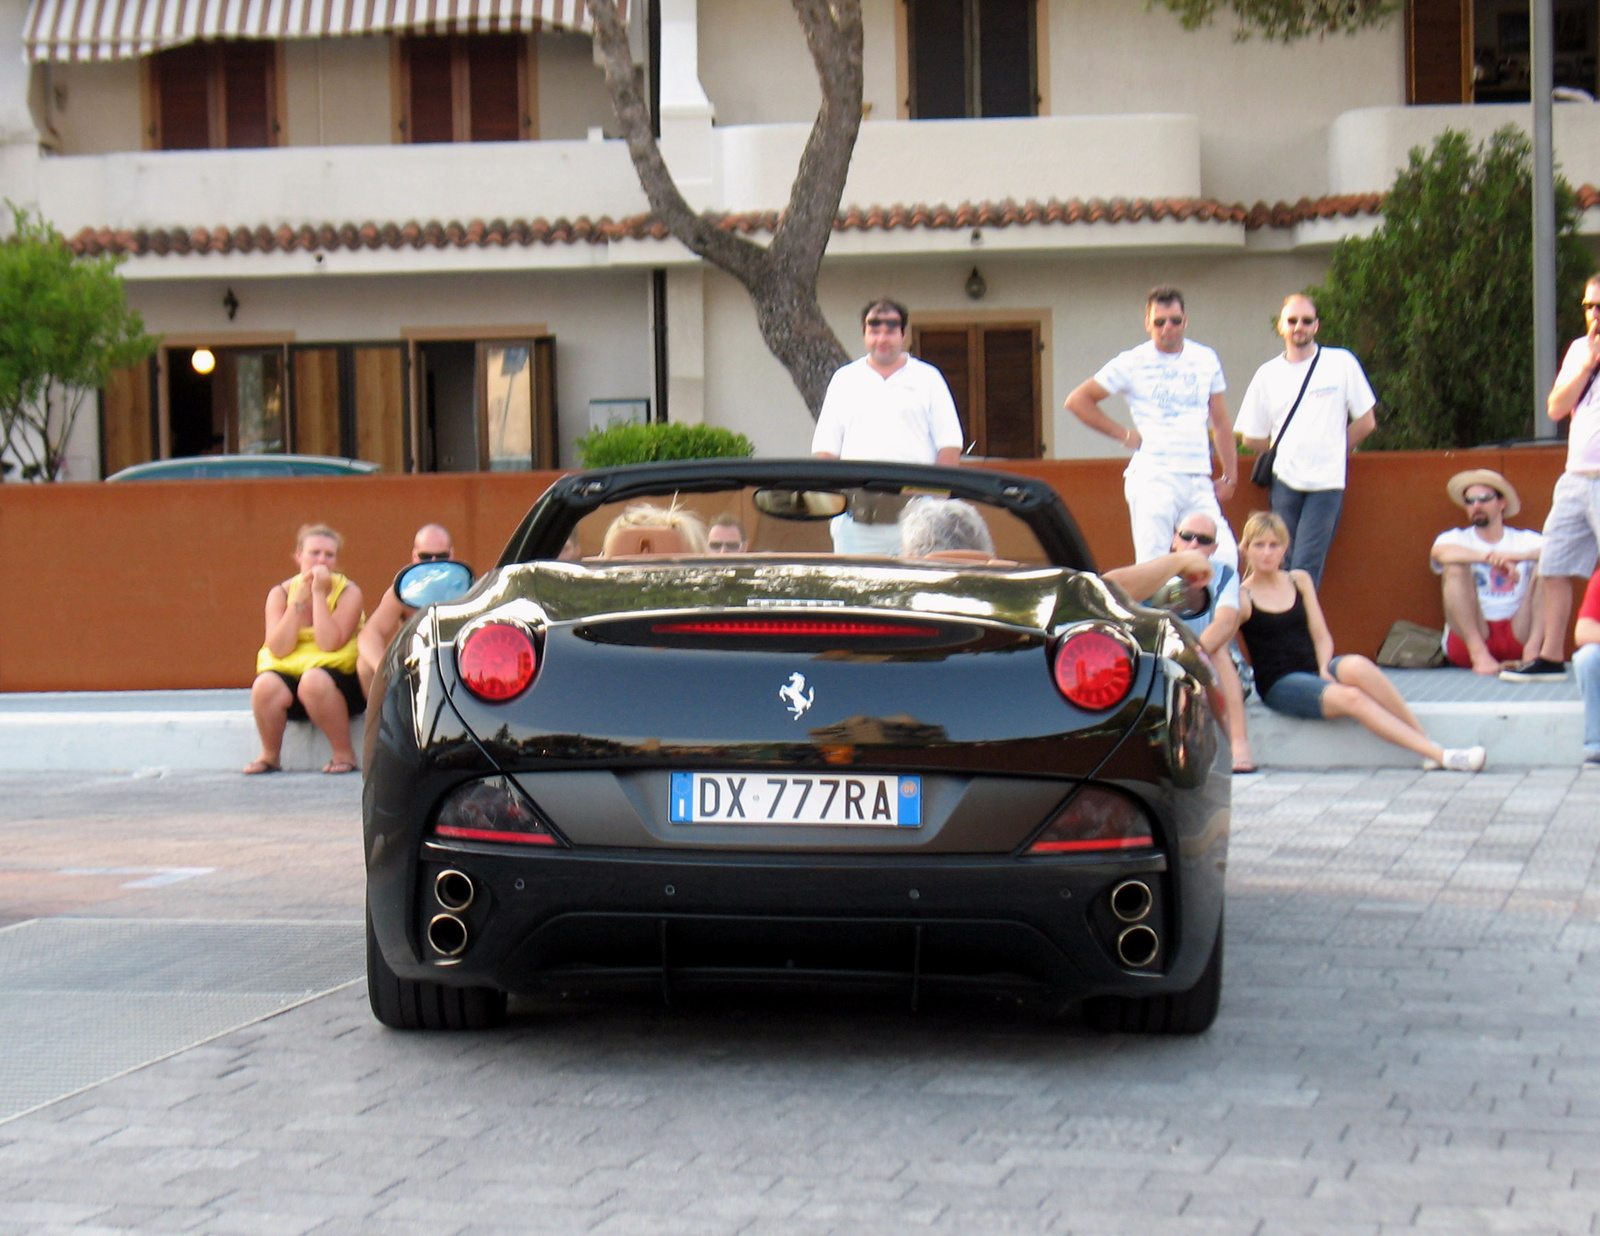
(1292, 652)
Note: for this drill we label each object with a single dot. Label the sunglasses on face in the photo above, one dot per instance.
(724, 546)
(444, 557)
(1479, 499)
(1198, 538)
(1301, 321)
(1176, 320)
(883, 324)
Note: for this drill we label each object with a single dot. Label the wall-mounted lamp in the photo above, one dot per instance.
(976, 286)
(230, 302)
(203, 361)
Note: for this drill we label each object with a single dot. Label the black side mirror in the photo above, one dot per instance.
(428, 583)
(1182, 599)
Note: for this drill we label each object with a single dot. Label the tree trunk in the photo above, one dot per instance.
(782, 277)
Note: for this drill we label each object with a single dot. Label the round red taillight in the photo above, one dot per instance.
(1093, 670)
(497, 661)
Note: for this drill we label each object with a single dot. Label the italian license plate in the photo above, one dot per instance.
(796, 798)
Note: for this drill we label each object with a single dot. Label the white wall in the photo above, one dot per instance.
(1096, 307)
(572, 88)
(338, 91)
(93, 107)
(600, 320)
(1264, 108)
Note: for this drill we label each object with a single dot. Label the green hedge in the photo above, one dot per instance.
(629, 444)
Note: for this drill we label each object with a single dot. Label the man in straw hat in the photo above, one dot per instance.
(1492, 594)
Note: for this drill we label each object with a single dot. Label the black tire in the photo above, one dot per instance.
(407, 1004)
(1187, 1012)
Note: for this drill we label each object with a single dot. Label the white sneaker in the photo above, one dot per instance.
(1463, 759)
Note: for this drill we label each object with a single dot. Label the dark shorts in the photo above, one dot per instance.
(1503, 645)
(1300, 694)
(349, 687)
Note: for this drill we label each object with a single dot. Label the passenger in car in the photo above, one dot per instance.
(644, 528)
(940, 525)
(306, 669)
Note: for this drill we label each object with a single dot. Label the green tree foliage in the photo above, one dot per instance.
(65, 326)
(629, 444)
(1286, 20)
(1437, 303)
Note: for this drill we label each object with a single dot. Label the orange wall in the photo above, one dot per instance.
(162, 584)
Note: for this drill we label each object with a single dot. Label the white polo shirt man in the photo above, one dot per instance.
(890, 406)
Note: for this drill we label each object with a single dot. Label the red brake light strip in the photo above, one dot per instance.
(492, 834)
(793, 626)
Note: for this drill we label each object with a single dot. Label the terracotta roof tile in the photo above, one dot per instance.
(503, 233)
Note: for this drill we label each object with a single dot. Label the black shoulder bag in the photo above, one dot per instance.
(1261, 472)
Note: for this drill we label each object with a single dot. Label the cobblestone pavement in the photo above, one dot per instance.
(1408, 1041)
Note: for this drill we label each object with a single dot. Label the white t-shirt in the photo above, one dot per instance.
(1583, 444)
(907, 417)
(1169, 396)
(1498, 597)
(1312, 454)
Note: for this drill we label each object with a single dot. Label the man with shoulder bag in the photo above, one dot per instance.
(1303, 413)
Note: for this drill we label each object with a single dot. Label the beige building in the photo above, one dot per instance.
(415, 239)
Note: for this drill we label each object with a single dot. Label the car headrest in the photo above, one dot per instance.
(629, 541)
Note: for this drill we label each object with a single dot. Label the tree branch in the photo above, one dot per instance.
(625, 81)
(833, 34)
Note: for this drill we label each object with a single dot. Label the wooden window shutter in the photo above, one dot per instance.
(248, 80)
(1438, 51)
(546, 437)
(127, 420)
(1011, 413)
(380, 404)
(938, 59)
(183, 92)
(1006, 58)
(316, 401)
(949, 351)
(494, 95)
(430, 105)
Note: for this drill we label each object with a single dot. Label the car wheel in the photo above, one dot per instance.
(1187, 1012)
(406, 1004)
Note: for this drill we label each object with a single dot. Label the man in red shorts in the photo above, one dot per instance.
(1492, 594)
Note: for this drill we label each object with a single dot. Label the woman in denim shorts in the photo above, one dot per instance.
(1292, 653)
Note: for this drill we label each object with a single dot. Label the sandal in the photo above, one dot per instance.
(256, 767)
(336, 767)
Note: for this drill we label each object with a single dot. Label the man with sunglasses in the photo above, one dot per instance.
(891, 406)
(1336, 411)
(1491, 595)
(1174, 391)
(1572, 529)
(431, 544)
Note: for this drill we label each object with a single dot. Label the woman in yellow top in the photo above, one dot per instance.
(307, 667)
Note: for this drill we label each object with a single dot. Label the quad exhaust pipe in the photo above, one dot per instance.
(1137, 946)
(448, 935)
(1131, 901)
(454, 890)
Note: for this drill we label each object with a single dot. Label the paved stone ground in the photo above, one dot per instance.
(1408, 1041)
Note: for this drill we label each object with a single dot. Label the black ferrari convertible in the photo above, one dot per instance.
(801, 722)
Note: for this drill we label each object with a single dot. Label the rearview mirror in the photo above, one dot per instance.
(800, 503)
(1182, 599)
(429, 583)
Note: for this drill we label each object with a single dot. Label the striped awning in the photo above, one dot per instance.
(88, 30)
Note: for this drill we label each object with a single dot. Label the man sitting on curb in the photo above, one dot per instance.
(1586, 665)
(1492, 594)
(431, 544)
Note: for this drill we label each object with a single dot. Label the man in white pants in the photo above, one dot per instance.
(1174, 391)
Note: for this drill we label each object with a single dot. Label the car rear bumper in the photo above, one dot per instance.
(972, 922)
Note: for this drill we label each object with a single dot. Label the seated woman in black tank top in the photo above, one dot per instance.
(1292, 652)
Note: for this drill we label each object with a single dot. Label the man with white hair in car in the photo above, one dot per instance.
(939, 525)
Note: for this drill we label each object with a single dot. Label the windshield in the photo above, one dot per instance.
(778, 522)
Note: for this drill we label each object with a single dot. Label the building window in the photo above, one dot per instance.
(971, 58)
(487, 405)
(471, 88)
(1476, 51)
(993, 372)
(211, 96)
